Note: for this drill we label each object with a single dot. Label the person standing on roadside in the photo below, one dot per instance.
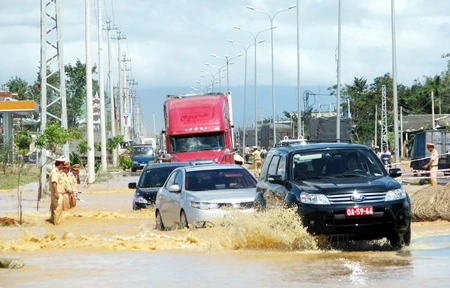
(67, 187)
(247, 153)
(263, 152)
(74, 178)
(256, 161)
(433, 163)
(56, 187)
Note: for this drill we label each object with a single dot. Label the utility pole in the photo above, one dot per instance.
(89, 106)
(54, 18)
(121, 122)
(102, 91)
(338, 104)
(384, 127)
(133, 107)
(299, 112)
(394, 85)
(154, 125)
(111, 93)
(126, 101)
(376, 125)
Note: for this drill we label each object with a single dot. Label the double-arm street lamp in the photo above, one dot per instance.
(228, 63)
(271, 44)
(255, 37)
(213, 78)
(245, 89)
(219, 70)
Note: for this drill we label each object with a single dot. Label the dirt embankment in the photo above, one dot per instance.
(431, 204)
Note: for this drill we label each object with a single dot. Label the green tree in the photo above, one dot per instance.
(54, 137)
(21, 87)
(76, 91)
(23, 139)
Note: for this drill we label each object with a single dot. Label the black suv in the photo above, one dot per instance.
(337, 189)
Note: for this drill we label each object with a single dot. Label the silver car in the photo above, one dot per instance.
(194, 195)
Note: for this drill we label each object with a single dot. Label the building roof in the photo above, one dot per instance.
(413, 123)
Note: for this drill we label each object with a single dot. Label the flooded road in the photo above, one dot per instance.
(102, 243)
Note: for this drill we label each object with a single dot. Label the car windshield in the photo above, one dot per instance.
(143, 151)
(198, 142)
(337, 163)
(223, 179)
(154, 177)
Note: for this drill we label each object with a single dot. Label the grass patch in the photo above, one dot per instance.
(10, 180)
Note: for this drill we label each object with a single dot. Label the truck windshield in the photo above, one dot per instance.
(198, 142)
(142, 151)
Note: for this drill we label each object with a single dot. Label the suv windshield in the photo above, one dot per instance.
(155, 177)
(336, 163)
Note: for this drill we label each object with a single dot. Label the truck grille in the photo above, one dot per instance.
(346, 198)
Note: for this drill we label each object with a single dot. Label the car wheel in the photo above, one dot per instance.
(133, 169)
(159, 222)
(183, 220)
(398, 240)
(407, 237)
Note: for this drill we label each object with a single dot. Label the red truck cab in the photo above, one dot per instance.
(198, 127)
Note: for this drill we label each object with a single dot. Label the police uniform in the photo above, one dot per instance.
(56, 205)
(67, 188)
(256, 161)
(74, 181)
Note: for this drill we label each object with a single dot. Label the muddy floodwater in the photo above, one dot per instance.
(102, 243)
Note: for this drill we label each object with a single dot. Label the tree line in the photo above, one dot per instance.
(54, 136)
(364, 96)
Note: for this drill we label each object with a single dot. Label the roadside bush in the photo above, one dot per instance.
(125, 162)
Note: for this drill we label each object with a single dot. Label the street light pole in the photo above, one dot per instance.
(338, 105)
(299, 119)
(213, 78)
(218, 70)
(228, 63)
(245, 90)
(271, 18)
(394, 86)
(255, 36)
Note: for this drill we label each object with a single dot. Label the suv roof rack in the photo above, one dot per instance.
(291, 142)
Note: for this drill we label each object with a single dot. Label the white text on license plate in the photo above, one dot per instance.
(360, 211)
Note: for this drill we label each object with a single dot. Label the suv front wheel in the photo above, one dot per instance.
(398, 240)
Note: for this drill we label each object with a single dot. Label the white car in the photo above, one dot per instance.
(194, 195)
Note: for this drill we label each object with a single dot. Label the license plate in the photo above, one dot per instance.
(360, 211)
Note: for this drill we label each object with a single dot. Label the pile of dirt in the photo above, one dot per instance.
(6, 221)
(431, 204)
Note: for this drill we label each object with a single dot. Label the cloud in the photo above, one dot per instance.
(168, 42)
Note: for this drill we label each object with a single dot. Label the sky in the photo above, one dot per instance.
(168, 42)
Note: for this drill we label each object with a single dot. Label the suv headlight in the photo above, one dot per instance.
(310, 198)
(396, 194)
(204, 206)
(140, 199)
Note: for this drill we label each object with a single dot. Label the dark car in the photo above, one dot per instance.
(141, 155)
(152, 178)
(337, 189)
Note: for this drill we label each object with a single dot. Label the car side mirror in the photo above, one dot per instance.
(395, 172)
(174, 188)
(276, 179)
(132, 185)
